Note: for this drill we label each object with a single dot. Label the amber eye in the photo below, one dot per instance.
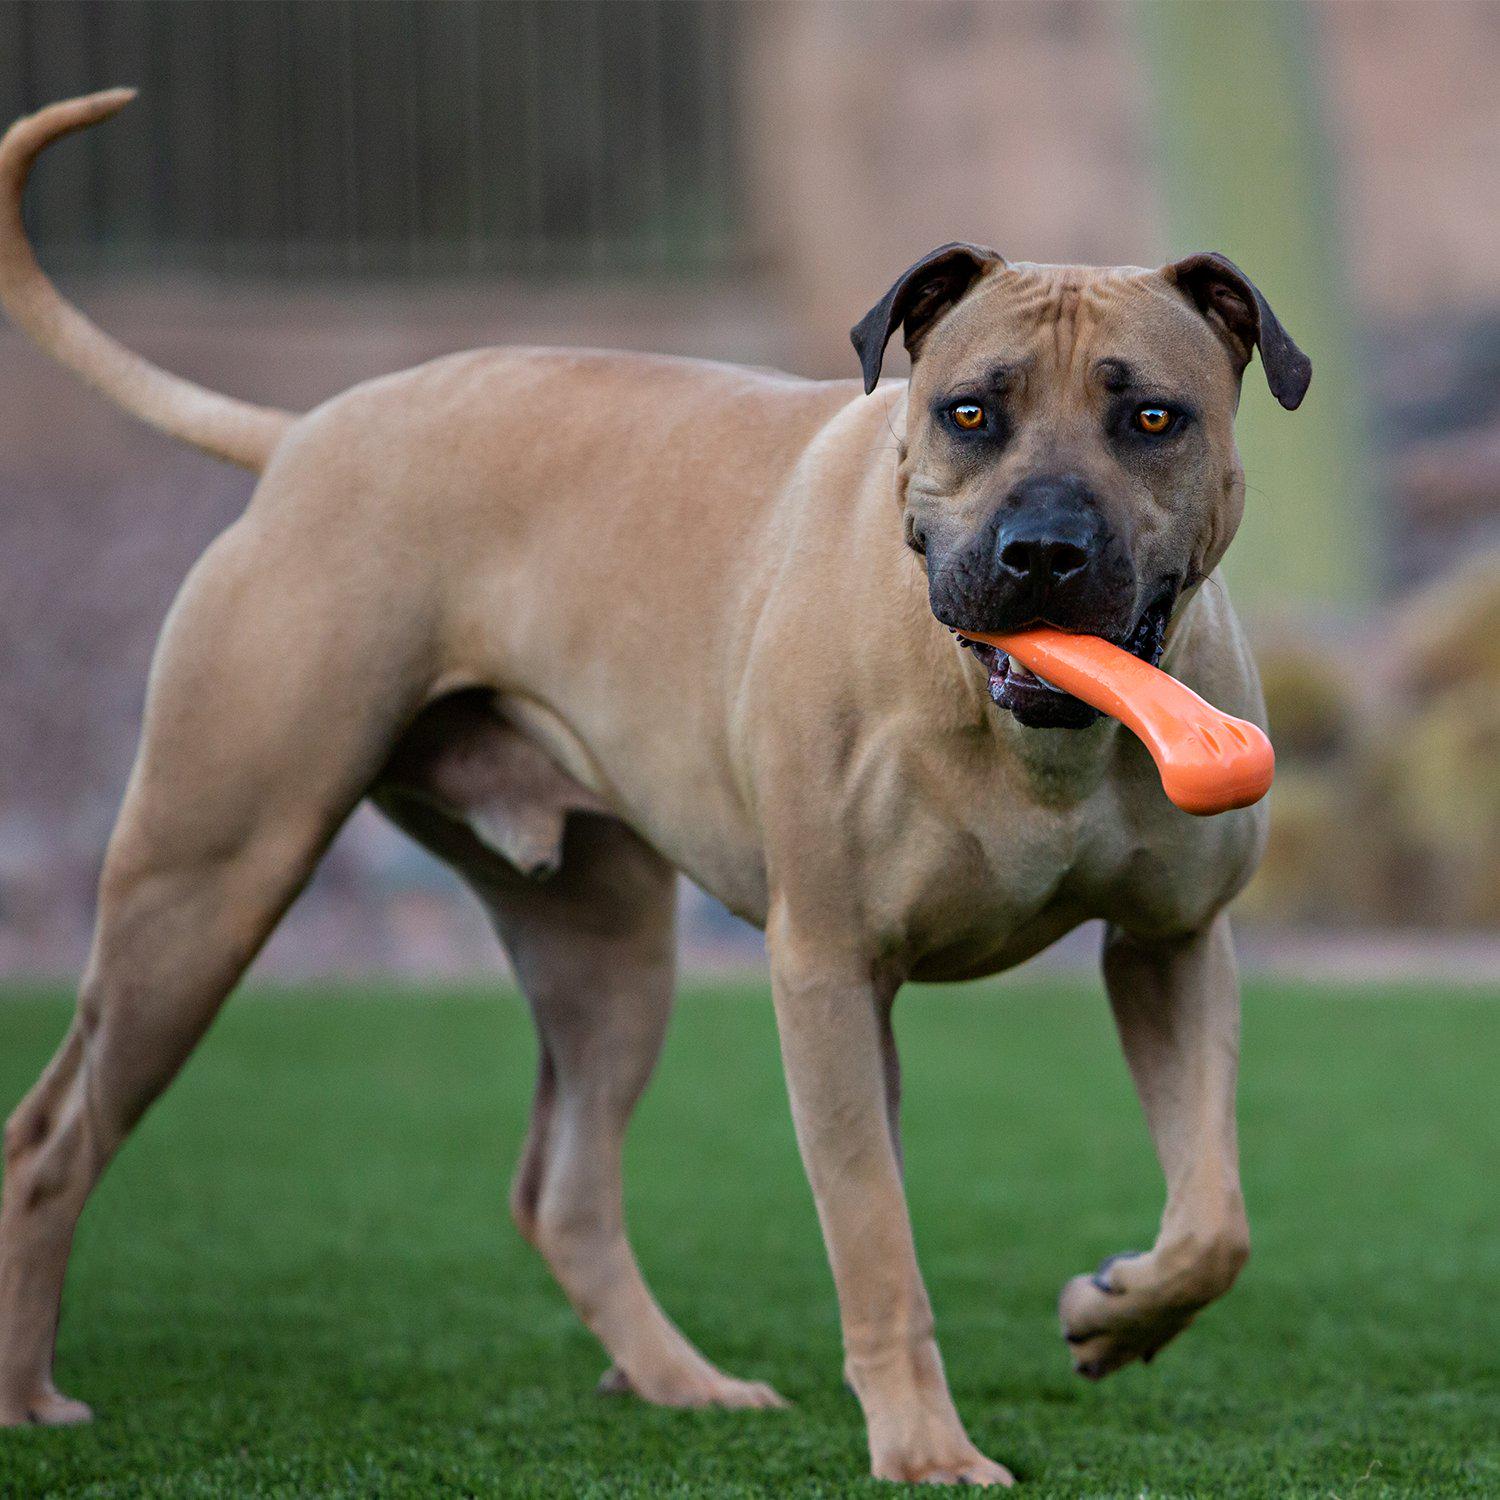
(968, 416)
(1153, 419)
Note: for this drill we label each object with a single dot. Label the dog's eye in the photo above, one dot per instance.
(1153, 420)
(968, 416)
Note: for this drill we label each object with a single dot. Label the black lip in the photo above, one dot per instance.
(1038, 706)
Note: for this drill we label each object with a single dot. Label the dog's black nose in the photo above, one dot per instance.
(1049, 531)
(1046, 553)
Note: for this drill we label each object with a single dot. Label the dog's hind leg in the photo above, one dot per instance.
(270, 709)
(593, 948)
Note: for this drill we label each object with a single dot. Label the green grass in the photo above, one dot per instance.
(299, 1277)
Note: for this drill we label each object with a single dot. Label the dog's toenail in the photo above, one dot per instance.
(1102, 1272)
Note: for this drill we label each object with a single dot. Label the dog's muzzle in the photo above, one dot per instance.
(1047, 556)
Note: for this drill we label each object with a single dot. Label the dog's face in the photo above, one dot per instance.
(1069, 457)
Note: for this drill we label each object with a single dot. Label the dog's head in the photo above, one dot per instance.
(1069, 457)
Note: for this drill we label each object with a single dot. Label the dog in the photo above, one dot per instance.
(577, 621)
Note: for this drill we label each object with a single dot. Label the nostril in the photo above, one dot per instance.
(1065, 559)
(1017, 557)
(1046, 559)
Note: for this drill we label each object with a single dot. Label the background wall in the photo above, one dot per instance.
(310, 193)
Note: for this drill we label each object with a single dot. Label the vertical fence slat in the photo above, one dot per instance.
(471, 86)
(349, 137)
(651, 175)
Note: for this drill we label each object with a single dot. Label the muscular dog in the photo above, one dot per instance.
(577, 621)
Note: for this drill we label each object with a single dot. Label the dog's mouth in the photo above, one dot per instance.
(1036, 703)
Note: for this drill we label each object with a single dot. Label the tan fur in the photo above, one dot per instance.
(675, 599)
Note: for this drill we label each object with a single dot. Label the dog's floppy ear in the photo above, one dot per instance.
(1232, 303)
(921, 295)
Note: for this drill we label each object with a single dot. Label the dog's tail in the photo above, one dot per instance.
(233, 430)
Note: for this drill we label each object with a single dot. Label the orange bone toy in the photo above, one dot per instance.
(1209, 761)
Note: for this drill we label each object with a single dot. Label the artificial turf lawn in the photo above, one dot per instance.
(299, 1277)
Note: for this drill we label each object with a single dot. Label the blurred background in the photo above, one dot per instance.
(309, 192)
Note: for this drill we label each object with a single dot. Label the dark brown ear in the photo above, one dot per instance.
(921, 295)
(1232, 303)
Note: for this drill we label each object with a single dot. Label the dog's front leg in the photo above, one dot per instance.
(1177, 1006)
(831, 1008)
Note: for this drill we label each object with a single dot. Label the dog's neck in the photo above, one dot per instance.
(1063, 766)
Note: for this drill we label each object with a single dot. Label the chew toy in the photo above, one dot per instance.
(1209, 761)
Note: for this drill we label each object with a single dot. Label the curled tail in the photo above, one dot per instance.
(233, 430)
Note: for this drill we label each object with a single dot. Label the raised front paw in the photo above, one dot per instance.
(1135, 1303)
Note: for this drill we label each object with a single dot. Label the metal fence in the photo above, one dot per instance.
(385, 137)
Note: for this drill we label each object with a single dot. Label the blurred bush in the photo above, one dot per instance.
(1386, 807)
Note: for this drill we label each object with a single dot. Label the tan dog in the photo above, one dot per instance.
(604, 617)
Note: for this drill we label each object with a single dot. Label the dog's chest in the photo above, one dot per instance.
(979, 897)
(981, 877)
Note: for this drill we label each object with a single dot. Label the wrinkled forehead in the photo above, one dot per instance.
(1065, 325)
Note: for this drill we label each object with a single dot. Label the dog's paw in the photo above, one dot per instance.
(917, 1438)
(1135, 1303)
(47, 1408)
(708, 1387)
(1118, 1315)
(970, 1467)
